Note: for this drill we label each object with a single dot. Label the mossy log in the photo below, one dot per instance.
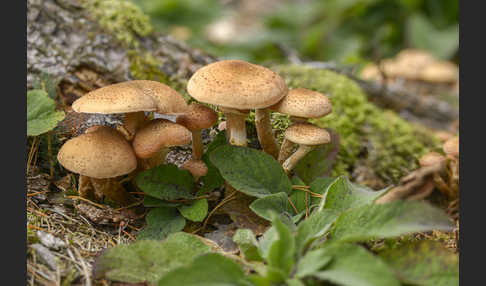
(86, 44)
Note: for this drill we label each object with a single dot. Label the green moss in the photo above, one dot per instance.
(389, 144)
(121, 18)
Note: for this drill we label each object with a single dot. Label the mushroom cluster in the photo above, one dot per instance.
(235, 87)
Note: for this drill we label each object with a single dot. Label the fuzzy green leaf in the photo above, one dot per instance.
(319, 186)
(388, 220)
(196, 211)
(250, 171)
(148, 260)
(211, 269)
(342, 195)
(281, 253)
(152, 202)
(161, 222)
(312, 262)
(166, 182)
(277, 203)
(213, 178)
(352, 265)
(314, 227)
(424, 263)
(298, 197)
(42, 115)
(245, 238)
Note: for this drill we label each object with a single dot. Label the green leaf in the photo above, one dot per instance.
(196, 211)
(166, 182)
(312, 262)
(314, 227)
(281, 253)
(161, 222)
(298, 197)
(319, 186)
(423, 35)
(269, 237)
(213, 178)
(211, 269)
(148, 260)
(389, 220)
(318, 162)
(152, 202)
(342, 195)
(42, 115)
(352, 265)
(245, 238)
(277, 203)
(294, 282)
(424, 263)
(250, 171)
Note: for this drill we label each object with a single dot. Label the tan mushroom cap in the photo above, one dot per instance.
(197, 168)
(198, 117)
(158, 134)
(304, 103)
(451, 147)
(430, 159)
(307, 134)
(101, 153)
(120, 97)
(167, 100)
(237, 84)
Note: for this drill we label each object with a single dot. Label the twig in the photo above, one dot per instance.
(292, 204)
(85, 200)
(223, 201)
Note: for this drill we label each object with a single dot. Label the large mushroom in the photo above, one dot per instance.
(100, 155)
(237, 86)
(132, 98)
(307, 136)
(301, 104)
(153, 140)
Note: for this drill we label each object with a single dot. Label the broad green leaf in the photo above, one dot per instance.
(318, 162)
(166, 182)
(213, 178)
(250, 171)
(294, 282)
(424, 263)
(259, 280)
(281, 253)
(312, 262)
(298, 197)
(148, 260)
(277, 203)
(342, 195)
(314, 227)
(152, 202)
(352, 265)
(161, 222)
(245, 238)
(196, 211)
(42, 115)
(319, 186)
(269, 237)
(211, 269)
(423, 35)
(388, 220)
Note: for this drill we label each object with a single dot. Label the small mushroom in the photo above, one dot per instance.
(237, 86)
(451, 147)
(153, 140)
(197, 118)
(434, 158)
(100, 155)
(301, 104)
(307, 136)
(197, 168)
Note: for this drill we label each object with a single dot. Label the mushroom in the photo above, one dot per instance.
(451, 147)
(100, 154)
(434, 158)
(197, 118)
(307, 136)
(197, 168)
(301, 104)
(153, 140)
(132, 98)
(236, 86)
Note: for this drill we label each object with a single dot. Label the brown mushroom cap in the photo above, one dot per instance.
(430, 159)
(101, 153)
(158, 134)
(304, 103)
(307, 134)
(197, 168)
(120, 97)
(198, 117)
(167, 100)
(237, 84)
(451, 147)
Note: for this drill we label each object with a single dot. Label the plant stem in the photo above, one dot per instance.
(265, 132)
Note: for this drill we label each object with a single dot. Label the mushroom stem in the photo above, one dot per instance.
(113, 190)
(290, 163)
(132, 122)
(265, 132)
(158, 158)
(285, 150)
(85, 189)
(236, 126)
(197, 145)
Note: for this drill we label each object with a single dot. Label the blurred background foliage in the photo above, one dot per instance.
(343, 31)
